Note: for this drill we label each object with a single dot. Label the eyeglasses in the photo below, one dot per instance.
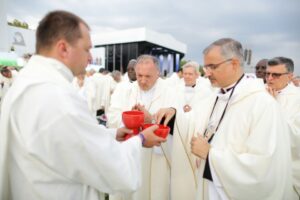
(275, 75)
(215, 66)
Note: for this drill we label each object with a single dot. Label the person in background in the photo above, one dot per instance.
(260, 69)
(240, 136)
(190, 95)
(296, 81)
(148, 94)
(130, 75)
(278, 75)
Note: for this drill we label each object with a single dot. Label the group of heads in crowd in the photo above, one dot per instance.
(277, 72)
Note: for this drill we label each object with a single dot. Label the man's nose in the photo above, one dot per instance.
(269, 77)
(207, 73)
(90, 58)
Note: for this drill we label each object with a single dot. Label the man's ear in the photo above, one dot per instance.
(62, 49)
(235, 63)
(290, 76)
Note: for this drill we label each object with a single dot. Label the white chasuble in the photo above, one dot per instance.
(156, 163)
(249, 156)
(289, 100)
(51, 147)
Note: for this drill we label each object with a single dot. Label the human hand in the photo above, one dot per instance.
(200, 146)
(147, 115)
(122, 132)
(272, 91)
(168, 113)
(150, 138)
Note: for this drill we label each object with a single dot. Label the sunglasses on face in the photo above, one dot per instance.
(275, 75)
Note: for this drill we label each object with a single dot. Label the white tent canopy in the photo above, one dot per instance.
(138, 35)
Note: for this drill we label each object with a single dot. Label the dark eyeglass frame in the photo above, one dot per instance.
(215, 66)
(275, 75)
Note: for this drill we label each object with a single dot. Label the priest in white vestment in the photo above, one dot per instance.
(51, 147)
(175, 79)
(103, 84)
(240, 136)
(149, 93)
(278, 75)
(245, 145)
(190, 97)
(87, 90)
(130, 75)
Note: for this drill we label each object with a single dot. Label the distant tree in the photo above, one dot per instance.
(25, 25)
(182, 62)
(19, 24)
(201, 71)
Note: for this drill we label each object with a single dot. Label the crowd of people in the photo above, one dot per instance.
(62, 135)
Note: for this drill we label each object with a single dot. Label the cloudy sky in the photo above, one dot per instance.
(268, 27)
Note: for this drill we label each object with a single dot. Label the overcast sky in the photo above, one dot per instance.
(268, 27)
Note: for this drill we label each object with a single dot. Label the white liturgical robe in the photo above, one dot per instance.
(184, 170)
(249, 156)
(156, 162)
(289, 100)
(103, 91)
(51, 147)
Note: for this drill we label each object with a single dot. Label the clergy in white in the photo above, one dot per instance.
(279, 73)
(130, 75)
(103, 86)
(191, 96)
(51, 147)
(149, 93)
(242, 139)
(175, 79)
(86, 89)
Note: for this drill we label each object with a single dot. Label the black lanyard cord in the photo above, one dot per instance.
(205, 132)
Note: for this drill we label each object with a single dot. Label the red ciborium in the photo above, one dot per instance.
(133, 120)
(162, 130)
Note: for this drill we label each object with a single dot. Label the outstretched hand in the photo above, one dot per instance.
(150, 138)
(139, 107)
(166, 113)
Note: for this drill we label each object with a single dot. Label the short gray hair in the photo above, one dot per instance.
(287, 62)
(131, 62)
(143, 58)
(230, 48)
(116, 73)
(192, 64)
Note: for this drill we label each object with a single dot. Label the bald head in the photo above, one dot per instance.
(260, 69)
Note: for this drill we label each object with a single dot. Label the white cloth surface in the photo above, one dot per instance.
(249, 155)
(155, 164)
(289, 100)
(51, 147)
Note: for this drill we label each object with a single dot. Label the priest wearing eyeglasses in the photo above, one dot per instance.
(279, 73)
(240, 138)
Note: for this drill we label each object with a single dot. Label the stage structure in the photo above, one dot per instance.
(121, 46)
